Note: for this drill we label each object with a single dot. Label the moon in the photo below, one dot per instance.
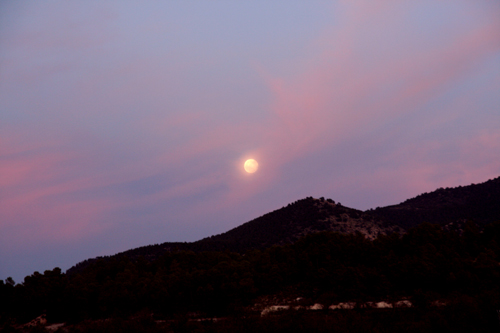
(251, 165)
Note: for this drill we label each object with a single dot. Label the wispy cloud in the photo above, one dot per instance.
(344, 93)
(111, 130)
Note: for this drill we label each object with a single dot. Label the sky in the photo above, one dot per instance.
(127, 123)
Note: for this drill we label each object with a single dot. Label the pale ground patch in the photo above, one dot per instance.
(54, 327)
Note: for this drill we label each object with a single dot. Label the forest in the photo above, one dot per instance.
(452, 280)
(449, 207)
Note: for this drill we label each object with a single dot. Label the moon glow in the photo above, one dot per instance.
(251, 165)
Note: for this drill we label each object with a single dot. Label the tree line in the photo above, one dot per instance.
(425, 265)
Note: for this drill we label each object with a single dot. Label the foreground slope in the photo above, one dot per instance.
(448, 281)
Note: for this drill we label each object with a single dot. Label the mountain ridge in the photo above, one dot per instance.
(479, 203)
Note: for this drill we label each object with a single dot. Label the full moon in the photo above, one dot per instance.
(251, 165)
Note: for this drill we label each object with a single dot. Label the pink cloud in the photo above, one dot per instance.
(337, 95)
(45, 220)
(39, 181)
(334, 99)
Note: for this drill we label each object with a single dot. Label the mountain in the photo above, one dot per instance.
(479, 203)
(283, 226)
(290, 223)
(436, 273)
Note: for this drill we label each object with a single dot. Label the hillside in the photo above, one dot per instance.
(290, 223)
(283, 226)
(427, 280)
(448, 281)
(479, 203)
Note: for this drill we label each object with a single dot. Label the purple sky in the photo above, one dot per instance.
(125, 124)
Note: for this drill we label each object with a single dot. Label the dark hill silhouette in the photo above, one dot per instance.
(478, 203)
(290, 223)
(282, 226)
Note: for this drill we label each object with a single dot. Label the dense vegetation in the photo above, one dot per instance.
(282, 226)
(479, 203)
(425, 265)
(476, 202)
